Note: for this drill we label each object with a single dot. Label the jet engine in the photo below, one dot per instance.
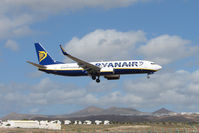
(112, 77)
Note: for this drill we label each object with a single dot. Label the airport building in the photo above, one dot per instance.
(56, 125)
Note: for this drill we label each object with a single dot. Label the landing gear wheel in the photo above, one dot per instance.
(97, 80)
(94, 77)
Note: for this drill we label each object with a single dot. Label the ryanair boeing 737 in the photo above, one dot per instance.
(111, 70)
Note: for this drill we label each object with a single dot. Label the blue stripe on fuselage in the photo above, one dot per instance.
(84, 73)
(67, 72)
(132, 71)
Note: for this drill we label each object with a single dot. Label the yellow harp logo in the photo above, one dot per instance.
(42, 55)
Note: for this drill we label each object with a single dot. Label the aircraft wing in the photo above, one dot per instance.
(90, 68)
(37, 65)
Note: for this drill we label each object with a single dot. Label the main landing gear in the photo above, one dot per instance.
(94, 77)
(97, 79)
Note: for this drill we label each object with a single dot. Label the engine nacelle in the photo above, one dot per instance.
(112, 77)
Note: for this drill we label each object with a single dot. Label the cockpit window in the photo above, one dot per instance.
(153, 63)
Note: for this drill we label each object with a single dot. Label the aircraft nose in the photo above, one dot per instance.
(159, 67)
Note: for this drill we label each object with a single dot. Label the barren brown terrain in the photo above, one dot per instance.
(164, 127)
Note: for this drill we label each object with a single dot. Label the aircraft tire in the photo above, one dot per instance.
(97, 80)
(94, 77)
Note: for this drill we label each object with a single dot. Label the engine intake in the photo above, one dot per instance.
(112, 77)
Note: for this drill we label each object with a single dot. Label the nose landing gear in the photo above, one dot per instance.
(148, 75)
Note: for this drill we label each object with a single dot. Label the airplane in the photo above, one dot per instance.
(111, 70)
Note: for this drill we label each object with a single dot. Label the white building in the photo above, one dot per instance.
(22, 124)
(31, 124)
(97, 122)
(67, 122)
(43, 124)
(106, 122)
(78, 122)
(5, 124)
(87, 122)
(55, 126)
(56, 121)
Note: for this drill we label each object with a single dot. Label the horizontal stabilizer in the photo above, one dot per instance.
(37, 65)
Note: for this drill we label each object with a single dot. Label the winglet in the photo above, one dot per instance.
(63, 51)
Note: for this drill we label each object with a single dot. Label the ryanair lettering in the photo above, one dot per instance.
(119, 64)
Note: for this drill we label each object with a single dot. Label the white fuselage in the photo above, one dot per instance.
(107, 68)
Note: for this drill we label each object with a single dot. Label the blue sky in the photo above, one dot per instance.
(164, 31)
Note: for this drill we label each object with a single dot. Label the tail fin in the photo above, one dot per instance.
(43, 57)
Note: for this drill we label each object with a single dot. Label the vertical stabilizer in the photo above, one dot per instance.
(43, 57)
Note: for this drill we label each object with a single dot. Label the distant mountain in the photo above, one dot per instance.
(92, 110)
(121, 111)
(163, 111)
(15, 116)
(113, 114)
